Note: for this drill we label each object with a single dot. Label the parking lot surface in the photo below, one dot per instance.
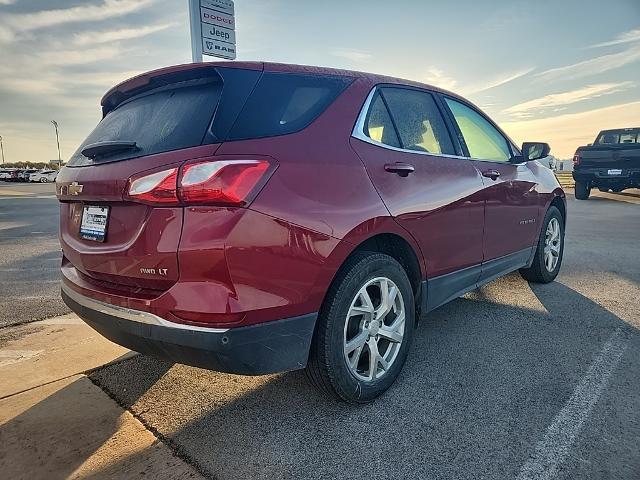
(510, 381)
(29, 253)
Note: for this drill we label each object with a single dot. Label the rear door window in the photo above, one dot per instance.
(167, 118)
(418, 120)
(284, 103)
(378, 124)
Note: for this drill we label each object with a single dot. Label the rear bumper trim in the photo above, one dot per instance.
(265, 348)
(130, 314)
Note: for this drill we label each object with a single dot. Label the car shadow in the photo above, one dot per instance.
(483, 381)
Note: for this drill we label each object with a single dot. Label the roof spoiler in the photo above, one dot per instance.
(166, 76)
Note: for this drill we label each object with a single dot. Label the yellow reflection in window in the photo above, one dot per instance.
(375, 133)
(429, 142)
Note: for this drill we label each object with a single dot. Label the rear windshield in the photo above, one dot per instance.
(618, 136)
(285, 103)
(161, 120)
(181, 115)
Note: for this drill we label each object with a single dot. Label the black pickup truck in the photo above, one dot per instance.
(612, 162)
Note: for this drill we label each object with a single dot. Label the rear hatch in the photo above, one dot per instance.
(150, 123)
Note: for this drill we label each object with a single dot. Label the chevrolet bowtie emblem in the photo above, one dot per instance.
(72, 189)
(75, 188)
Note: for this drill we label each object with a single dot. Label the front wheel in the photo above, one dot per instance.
(583, 190)
(550, 248)
(364, 329)
(43, 180)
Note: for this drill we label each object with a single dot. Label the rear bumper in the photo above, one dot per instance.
(598, 176)
(260, 349)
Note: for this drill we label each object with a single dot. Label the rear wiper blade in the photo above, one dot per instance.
(94, 150)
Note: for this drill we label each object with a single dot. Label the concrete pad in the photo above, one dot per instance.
(71, 429)
(41, 352)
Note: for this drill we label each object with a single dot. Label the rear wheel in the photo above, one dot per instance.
(364, 329)
(43, 180)
(549, 251)
(583, 190)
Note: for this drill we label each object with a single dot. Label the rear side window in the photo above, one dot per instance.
(420, 125)
(378, 125)
(161, 120)
(483, 140)
(284, 103)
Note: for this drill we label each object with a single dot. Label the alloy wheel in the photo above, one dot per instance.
(374, 329)
(552, 244)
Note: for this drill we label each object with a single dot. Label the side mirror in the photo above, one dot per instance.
(535, 150)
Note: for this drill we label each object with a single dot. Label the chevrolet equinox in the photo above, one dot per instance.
(255, 218)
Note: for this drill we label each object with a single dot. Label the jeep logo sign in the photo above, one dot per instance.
(213, 28)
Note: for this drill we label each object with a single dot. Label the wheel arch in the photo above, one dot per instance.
(391, 242)
(560, 203)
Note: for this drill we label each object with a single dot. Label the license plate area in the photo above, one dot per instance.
(614, 171)
(94, 223)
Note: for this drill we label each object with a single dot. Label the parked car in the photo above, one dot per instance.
(309, 224)
(612, 162)
(6, 175)
(14, 175)
(24, 175)
(43, 176)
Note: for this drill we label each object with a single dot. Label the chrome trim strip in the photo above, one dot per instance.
(358, 132)
(132, 315)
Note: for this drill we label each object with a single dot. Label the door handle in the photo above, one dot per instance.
(492, 174)
(402, 169)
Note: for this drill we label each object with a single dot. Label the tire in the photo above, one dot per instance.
(539, 272)
(43, 180)
(583, 190)
(604, 190)
(328, 368)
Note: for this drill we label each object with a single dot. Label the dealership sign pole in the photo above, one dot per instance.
(213, 29)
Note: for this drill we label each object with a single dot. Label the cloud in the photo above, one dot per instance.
(6, 34)
(438, 78)
(92, 38)
(28, 86)
(84, 13)
(354, 55)
(62, 58)
(592, 66)
(7, 2)
(559, 100)
(568, 131)
(627, 37)
(498, 81)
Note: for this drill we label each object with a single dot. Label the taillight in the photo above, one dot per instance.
(155, 188)
(221, 182)
(213, 182)
(577, 159)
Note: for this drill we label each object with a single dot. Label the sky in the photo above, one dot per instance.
(555, 71)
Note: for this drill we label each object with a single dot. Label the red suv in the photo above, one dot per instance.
(255, 218)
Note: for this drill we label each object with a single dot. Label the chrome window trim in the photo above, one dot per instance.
(132, 315)
(358, 132)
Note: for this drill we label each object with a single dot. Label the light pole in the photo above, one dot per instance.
(55, 124)
(2, 149)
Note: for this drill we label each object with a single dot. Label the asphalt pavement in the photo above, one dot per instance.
(510, 381)
(29, 253)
